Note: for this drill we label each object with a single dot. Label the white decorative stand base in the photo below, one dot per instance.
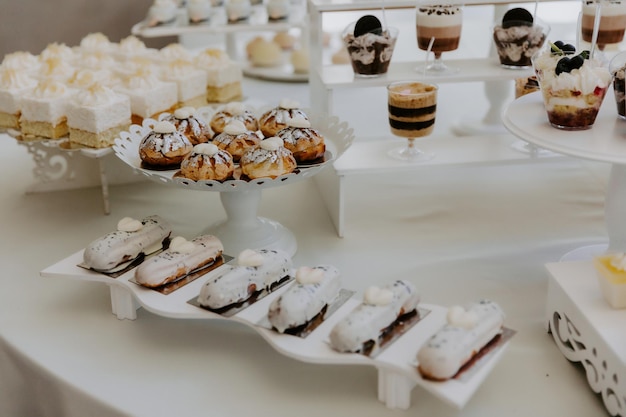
(244, 230)
(588, 331)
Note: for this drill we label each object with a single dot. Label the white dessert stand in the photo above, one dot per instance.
(584, 327)
(396, 364)
(242, 229)
(58, 167)
(605, 141)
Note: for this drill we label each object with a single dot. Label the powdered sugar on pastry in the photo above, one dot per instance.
(379, 309)
(125, 244)
(313, 290)
(180, 259)
(256, 270)
(468, 330)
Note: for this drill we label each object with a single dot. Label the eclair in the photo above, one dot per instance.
(179, 260)
(468, 330)
(115, 250)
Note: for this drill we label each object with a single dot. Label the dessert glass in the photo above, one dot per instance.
(612, 21)
(517, 43)
(617, 67)
(370, 53)
(573, 98)
(438, 29)
(412, 106)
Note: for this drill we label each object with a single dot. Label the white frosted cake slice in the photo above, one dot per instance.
(132, 47)
(44, 110)
(13, 85)
(149, 96)
(97, 115)
(224, 76)
(191, 82)
(315, 288)
(56, 68)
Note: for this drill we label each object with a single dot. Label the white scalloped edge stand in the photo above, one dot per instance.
(396, 364)
(587, 330)
(242, 228)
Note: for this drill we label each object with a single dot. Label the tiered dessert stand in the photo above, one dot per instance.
(58, 166)
(242, 229)
(584, 327)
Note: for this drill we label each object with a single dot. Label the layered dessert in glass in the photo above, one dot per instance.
(617, 68)
(370, 46)
(612, 21)
(573, 85)
(518, 38)
(442, 22)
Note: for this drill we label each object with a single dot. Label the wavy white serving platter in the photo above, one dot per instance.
(396, 364)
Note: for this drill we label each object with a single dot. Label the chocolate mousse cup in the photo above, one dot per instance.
(617, 67)
(370, 53)
(517, 43)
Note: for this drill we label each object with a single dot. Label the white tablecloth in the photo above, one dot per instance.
(458, 233)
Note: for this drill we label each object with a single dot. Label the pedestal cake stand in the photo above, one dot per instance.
(242, 229)
(584, 327)
(605, 142)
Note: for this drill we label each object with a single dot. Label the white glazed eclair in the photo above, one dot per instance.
(380, 308)
(314, 289)
(467, 331)
(255, 271)
(181, 258)
(117, 249)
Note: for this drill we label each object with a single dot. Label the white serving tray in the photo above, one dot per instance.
(396, 364)
(587, 330)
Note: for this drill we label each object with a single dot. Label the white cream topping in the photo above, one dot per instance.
(299, 121)
(235, 108)
(235, 127)
(13, 78)
(288, 104)
(306, 275)
(184, 112)
(460, 317)
(618, 261)
(377, 296)
(249, 257)
(175, 51)
(128, 224)
(49, 89)
(428, 16)
(208, 149)
(181, 245)
(272, 144)
(164, 127)
(132, 44)
(95, 41)
(96, 95)
(21, 60)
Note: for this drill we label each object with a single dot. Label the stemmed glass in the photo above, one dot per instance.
(412, 107)
(438, 27)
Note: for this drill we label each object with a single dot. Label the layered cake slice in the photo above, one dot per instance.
(224, 76)
(191, 82)
(13, 85)
(97, 115)
(149, 96)
(44, 110)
